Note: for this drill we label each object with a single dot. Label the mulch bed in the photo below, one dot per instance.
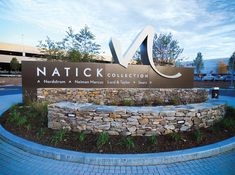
(115, 144)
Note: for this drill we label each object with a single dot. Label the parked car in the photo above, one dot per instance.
(219, 78)
(196, 78)
(229, 78)
(208, 78)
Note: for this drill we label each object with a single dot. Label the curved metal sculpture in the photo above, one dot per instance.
(144, 40)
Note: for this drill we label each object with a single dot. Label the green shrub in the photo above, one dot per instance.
(96, 102)
(147, 101)
(13, 107)
(174, 101)
(129, 143)
(28, 126)
(198, 135)
(13, 116)
(39, 108)
(115, 103)
(229, 112)
(158, 101)
(16, 118)
(103, 139)
(81, 136)
(41, 133)
(176, 136)
(228, 123)
(59, 136)
(128, 102)
(22, 120)
(153, 139)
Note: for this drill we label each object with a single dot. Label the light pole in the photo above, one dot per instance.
(231, 85)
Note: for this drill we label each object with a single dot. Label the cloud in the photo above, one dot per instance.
(206, 26)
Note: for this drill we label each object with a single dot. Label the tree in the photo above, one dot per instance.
(165, 49)
(76, 56)
(52, 50)
(84, 41)
(73, 47)
(222, 68)
(14, 64)
(198, 62)
(137, 57)
(231, 62)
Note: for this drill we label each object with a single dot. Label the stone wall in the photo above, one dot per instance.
(129, 96)
(135, 121)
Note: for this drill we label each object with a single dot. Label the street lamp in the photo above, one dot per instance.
(231, 85)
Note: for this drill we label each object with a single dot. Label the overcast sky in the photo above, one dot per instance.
(207, 26)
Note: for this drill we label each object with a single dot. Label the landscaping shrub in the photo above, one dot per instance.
(229, 112)
(176, 136)
(174, 101)
(58, 136)
(39, 108)
(153, 139)
(81, 136)
(158, 101)
(15, 117)
(147, 101)
(41, 133)
(103, 139)
(228, 122)
(127, 102)
(129, 143)
(198, 135)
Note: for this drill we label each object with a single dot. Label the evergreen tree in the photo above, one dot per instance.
(86, 42)
(231, 63)
(14, 64)
(198, 62)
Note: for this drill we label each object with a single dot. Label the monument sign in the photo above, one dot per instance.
(45, 74)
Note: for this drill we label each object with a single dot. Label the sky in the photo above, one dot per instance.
(206, 26)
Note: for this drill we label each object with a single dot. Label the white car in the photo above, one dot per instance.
(219, 78)
(208, 78)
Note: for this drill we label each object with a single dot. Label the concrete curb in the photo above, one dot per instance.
(118, 159)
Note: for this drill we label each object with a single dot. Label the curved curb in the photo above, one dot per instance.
(118, 159)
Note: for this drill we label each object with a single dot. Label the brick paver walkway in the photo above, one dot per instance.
(14, 161)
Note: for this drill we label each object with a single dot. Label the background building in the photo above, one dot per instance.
(29, 53)
(20, 52)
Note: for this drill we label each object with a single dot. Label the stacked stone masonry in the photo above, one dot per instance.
(128, 96)
(135, 121)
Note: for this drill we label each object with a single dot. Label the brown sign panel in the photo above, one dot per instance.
(98, 75)
(184, 81)
(120, 77)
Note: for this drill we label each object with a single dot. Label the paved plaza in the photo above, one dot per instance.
(15, 161)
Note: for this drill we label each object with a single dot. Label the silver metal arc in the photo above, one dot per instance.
(143, 39)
